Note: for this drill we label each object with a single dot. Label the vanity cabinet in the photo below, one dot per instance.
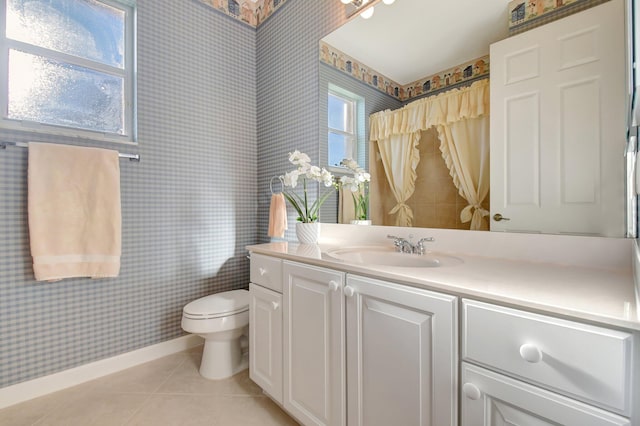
(545, 370)
(397, 343)
(265, 324)
(314, 364)
(402, 352)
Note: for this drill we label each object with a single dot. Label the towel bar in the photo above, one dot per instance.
(4, 145)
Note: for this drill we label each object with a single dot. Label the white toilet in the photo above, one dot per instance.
(222, 319)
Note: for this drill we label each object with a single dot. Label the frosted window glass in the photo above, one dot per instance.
(83, 28)
(50, 92)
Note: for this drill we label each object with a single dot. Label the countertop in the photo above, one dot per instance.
(596, 295)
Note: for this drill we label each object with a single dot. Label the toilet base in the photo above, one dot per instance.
(223, 358)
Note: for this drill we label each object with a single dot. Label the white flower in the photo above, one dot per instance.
(326, 177)
(290, 178)
(299, 158)
(305, 171)
(313, 172)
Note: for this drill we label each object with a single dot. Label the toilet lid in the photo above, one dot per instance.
(225, 303)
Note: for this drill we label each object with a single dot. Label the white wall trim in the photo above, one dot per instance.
(25, 391)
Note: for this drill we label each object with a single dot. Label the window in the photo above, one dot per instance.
(343, 110)
(68, 67)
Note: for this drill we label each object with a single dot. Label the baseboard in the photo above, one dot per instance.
(25, 391)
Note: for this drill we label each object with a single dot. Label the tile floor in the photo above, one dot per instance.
(168, 391)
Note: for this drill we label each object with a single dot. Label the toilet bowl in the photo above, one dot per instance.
(222, 319)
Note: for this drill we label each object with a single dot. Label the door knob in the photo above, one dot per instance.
(349, 291)
(498, 217)
(262, 271)
(275, 305)
(333, 286)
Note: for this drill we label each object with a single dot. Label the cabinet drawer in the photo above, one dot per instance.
(266, 271)
(586, 362)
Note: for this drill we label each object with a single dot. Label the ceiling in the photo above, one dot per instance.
(411, 39)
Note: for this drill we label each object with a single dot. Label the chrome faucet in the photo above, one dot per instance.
(404, 246)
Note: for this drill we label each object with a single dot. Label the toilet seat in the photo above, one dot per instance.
(218, 305)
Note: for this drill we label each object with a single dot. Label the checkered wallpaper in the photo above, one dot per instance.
(189, 208)
(288, 92)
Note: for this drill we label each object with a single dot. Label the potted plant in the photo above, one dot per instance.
(358, 184)
(307, 227)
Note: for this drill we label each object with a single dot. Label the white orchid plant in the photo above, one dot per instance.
(304, 171)
(357, 183)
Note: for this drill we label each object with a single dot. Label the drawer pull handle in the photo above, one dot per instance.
(333, 286)
(349, 291)
(262, 271)
(274, 305)
(471, 391)
(530, 353)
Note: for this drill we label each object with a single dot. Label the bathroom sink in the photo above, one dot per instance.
(387, 256)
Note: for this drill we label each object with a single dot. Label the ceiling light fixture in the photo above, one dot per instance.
(357, 5)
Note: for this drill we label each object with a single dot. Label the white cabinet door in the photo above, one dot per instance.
(490, 399)
(265, 340)
(314, 368)
(558, 112)
(401, 355)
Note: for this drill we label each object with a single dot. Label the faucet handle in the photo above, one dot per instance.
(397, 242)
(420, 244)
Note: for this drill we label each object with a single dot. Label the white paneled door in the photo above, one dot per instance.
(558, 117)
(314, 371)
(265, 347)
(401, 355)
(491, 399)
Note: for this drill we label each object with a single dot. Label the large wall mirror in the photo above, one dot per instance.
(411, 40)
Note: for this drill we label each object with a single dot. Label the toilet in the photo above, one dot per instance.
(222, 319)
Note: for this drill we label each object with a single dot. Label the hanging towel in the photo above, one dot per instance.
(277, 216)
(74, 211)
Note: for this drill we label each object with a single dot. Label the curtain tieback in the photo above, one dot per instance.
(399, 206)
(466, 215)
(405, 214)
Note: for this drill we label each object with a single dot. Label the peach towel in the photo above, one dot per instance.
(277, 216)
(74, 211)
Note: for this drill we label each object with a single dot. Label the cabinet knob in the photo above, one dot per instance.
(471, 391)
(530, 353)
(262, 271)
(349, 291)
(275, 305)
(333, 286)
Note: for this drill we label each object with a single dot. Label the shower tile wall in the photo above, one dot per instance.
(189, 207)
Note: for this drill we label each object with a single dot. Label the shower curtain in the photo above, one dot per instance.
(461, 117)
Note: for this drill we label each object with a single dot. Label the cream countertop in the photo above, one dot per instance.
(587, 280)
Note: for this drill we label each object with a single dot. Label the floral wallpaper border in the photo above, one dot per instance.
(248, 11)
(467, 71)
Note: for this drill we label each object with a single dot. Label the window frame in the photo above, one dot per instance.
(127, 73)
(356, 104)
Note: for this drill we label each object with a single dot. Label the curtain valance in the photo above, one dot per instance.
(445, 108)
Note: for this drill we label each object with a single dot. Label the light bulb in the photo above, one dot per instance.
(345, 1)
(388, 1)
(367, 13)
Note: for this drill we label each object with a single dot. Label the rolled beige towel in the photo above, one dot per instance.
(277, 216)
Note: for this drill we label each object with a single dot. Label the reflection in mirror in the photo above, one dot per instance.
(371, 65)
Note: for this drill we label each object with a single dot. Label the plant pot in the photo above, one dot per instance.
(308, 233)
(361, 222)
